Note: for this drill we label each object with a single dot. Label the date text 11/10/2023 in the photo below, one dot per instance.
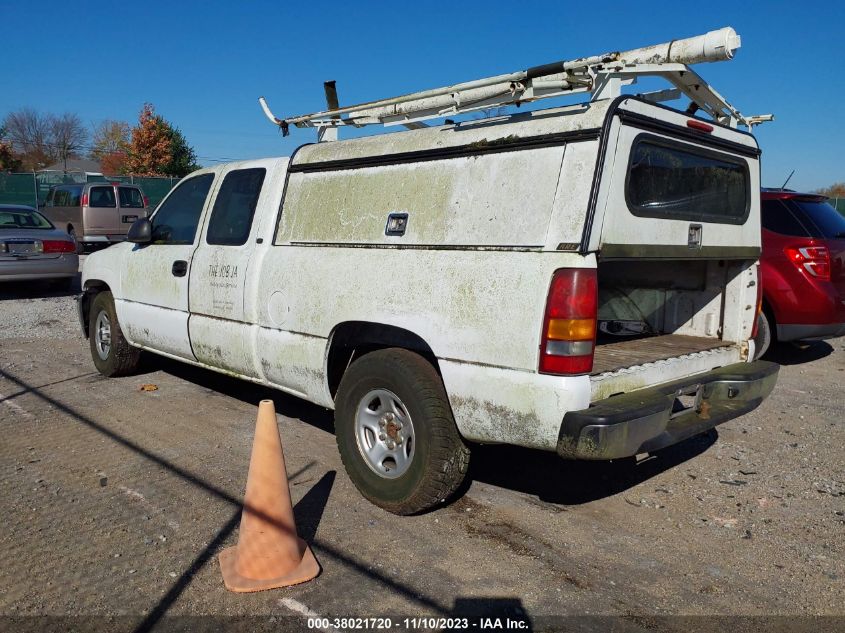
(419, 623)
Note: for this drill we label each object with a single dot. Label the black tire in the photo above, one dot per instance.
(121, 359)
(80, 248)
(763, 340)
(440, 459)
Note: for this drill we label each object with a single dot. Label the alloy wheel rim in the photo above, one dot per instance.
(384, 433)
(102, 335)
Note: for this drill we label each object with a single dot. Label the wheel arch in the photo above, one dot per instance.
(352, 339)
(91, 289)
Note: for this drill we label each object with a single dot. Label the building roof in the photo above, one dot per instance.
(75, 164)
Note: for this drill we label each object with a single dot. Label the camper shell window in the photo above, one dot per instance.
(676, 181)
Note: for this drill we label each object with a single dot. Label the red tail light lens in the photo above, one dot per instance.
(58, 246)
(569, 325)
(146, 201)
(84, 199)
(815, 260)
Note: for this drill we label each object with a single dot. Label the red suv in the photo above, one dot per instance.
(803, 269)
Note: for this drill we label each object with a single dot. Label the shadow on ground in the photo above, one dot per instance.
(286, 405)
(37, 289)
(565, 482)
(798, 354)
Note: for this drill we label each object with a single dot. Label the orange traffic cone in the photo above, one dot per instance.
(269, 554)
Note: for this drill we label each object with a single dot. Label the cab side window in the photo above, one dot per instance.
(234, 208)
(178, 216)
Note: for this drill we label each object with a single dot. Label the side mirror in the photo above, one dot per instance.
(141, 231)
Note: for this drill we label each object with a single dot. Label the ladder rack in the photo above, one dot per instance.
(601, 75)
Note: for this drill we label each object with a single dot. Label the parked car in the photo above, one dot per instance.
(803, 269)
(95, 212)
(32, 248)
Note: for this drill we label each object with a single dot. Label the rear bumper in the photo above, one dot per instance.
(65, 265)
(643, 421)
(103, 239)
(810, 332)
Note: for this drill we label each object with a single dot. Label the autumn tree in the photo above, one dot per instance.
(157, 148)
(111, 146)
(836, 190)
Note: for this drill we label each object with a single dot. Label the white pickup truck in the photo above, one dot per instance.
(580, 279)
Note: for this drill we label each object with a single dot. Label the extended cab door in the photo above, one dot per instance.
(153, 308)
(220, 335)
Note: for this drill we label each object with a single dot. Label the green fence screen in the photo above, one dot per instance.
(32, 188)
(18, 189)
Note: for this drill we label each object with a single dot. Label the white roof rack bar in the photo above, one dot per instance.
(603, 75)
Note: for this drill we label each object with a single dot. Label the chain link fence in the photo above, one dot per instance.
(32, 188)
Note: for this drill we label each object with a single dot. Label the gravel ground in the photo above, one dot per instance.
(115, 502)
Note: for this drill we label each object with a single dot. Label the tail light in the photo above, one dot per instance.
(84, 199)
(759, 304)
(146, 201)
(569, 326)
(815, 260)
(58, 246)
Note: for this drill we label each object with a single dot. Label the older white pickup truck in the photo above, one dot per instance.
(580, 279)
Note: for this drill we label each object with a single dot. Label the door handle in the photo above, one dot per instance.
(180, 268)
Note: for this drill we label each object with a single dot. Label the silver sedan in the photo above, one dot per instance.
(32, 248)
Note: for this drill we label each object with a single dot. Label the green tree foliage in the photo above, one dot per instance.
(8, 161)
(183, 158)
(157, 148)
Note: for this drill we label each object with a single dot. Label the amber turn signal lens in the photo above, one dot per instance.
(572, 329)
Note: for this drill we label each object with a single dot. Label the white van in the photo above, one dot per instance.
(580, 279)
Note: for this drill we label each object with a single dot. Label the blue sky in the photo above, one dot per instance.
(204, 64)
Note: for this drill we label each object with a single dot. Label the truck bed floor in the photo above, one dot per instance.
(629, 353)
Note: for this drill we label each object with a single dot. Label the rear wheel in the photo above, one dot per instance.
(112, 354)
(396, 434)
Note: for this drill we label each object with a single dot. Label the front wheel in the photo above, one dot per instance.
(112, 354)
(396, 434)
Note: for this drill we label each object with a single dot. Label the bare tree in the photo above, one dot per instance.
(68, 136)
(40, 139)
(29, 134)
